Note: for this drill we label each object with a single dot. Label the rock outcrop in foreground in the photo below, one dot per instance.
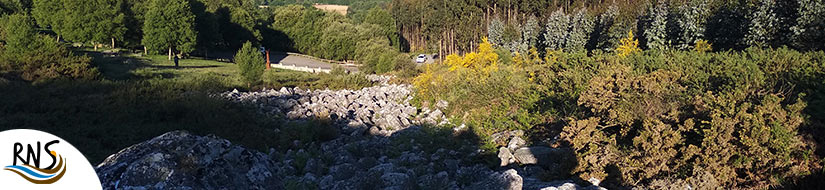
(179, 160)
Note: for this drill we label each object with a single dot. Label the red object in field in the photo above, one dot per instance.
(267, 60)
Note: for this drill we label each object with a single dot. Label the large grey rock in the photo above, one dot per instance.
(507, 180)
(395, 179)
(535, 155)
(505, 156)
(179, 160)
(515, 143)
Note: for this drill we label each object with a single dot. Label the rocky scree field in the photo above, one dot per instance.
(379, 141)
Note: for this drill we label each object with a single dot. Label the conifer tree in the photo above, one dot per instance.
(556, 30)
(251, 63)
(495, 31)
(692, 22)
(763, 21)
(656, 26)
(809, 32)
(530, 32)
(45, 12)
(581, 25)
(607, 32)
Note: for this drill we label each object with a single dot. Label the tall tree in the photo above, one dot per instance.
(656, 26)
(581, 25)
(170, 25)
(606, 36)
(763, 21)
(495, 32)
(135, 11)
(382, 18)
(556, 30)
(530, 31)
(92, 21)
(46, 12)
(809, 32)
(692, 22)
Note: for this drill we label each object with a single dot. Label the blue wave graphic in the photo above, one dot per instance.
(29, 171)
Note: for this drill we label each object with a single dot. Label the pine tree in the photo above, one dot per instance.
(581, 25)
(495, 32)
(656, 26)
(692, 22)
(556, 30)
(606, 35)
(170, 26)
(530, 32)
(251, 63)
(809, 32)
(763, 21)
(21, 37)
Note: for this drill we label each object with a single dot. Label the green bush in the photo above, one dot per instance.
(35, 57)
(251, 63)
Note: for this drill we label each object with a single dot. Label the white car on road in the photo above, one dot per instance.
(421, 58)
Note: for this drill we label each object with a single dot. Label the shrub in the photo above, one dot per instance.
(251, 63)
(484, 59)
(702, 46)
(628, 45)
(474, 86)
(37, 57)
(660, 119)
(717, 118)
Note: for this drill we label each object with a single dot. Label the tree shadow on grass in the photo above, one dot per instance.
(102, 117)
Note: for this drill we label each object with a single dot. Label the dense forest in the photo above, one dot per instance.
(455, 26)
(658, 94)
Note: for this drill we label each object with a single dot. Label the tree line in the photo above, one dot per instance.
(198, 27)
(456, 26)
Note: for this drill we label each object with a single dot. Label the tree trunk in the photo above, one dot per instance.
(170, 53)
(113, 43)
(145, 51)
(58, 38)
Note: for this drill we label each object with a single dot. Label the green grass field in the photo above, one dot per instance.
(137, 98)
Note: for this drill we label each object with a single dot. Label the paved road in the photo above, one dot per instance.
(300, 61)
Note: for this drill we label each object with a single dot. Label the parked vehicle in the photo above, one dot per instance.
(421, 58)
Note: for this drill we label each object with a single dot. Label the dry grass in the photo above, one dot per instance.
(340, 9)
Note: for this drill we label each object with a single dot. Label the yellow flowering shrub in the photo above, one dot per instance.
(628, 45)
(702, 46)
(484, 58)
